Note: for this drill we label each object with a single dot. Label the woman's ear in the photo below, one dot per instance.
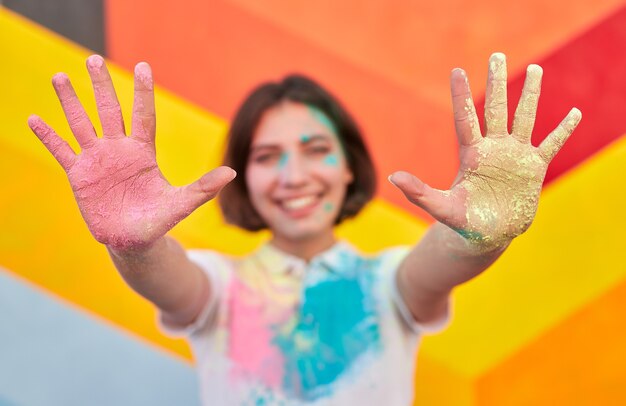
(349, 176)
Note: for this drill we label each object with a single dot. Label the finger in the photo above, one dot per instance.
(524, 119)
(144, 117)
(106, 100)
(465, 118)
(74, 112)
(57, 146)
(434, 201)
(555, 140)
(495, 100)
(201, 191)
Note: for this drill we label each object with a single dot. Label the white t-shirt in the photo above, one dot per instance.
(280, 331)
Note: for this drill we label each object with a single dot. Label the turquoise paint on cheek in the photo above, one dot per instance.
(331, 160)
(282, 161)
(328, 206)
(305, 138)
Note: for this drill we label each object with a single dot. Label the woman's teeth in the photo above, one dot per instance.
(298, 203)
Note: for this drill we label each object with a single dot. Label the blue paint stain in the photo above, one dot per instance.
(323, 118)
(328, 123)
(337, 322)
(263, 397)
(470, 235)
(282, 161)
(331, 160)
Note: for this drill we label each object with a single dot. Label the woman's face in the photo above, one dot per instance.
(297, 174)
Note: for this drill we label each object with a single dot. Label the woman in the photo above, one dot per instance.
(305, 319)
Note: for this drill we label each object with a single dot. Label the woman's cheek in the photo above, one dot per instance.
(331, 160)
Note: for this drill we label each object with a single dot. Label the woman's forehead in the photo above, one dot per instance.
(293, 122)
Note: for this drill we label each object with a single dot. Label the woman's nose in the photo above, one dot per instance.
(292, 170)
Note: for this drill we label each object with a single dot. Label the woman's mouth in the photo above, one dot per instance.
(301, 205)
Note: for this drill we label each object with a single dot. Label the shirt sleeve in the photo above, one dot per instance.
(392, 259)
(211, 264)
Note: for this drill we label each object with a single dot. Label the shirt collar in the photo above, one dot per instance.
(275, 260)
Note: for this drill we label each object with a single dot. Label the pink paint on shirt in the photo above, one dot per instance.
(251, 335)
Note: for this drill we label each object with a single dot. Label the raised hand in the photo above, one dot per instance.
(495, 194)
(124, 198)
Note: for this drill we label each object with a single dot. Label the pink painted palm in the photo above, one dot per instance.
(124, 198)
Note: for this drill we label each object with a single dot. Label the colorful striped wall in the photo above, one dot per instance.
(544, 326)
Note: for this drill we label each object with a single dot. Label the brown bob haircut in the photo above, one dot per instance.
(234, 199)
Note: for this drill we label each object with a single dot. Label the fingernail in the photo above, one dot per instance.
(59, 79)
(143, 74)
(534, 69)
(33, 120)
(95, 62)
(498, 56)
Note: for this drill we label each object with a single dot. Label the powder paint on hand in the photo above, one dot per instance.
(496, 97)
(524, 119)
(473, 236)
(502, 192)
(109, 109)
(556, 139)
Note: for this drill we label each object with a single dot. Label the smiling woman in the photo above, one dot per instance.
(297, 177)
(306, 319)
(324, 113)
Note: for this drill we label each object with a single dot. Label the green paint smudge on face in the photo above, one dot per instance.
(331, 160)
(282, 161)
(328, 123)
(328, 206)
(305, 138)
(323, 118)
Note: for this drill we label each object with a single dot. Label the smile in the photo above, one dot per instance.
(299, 203)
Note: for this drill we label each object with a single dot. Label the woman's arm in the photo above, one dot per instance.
(125, 200)
(493, 198)
(164, 275)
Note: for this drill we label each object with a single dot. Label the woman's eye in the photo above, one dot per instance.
(319, 150)
(265, 158)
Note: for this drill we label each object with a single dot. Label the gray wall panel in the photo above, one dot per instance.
(82, 21)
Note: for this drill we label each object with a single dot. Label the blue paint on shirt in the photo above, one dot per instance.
(337, 323)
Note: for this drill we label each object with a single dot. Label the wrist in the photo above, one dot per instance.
(471, 244)
(137, 252)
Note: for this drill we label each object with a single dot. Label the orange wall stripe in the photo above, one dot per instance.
(581, 361)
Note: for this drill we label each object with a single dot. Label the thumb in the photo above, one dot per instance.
(204, 189)
(434, 201)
